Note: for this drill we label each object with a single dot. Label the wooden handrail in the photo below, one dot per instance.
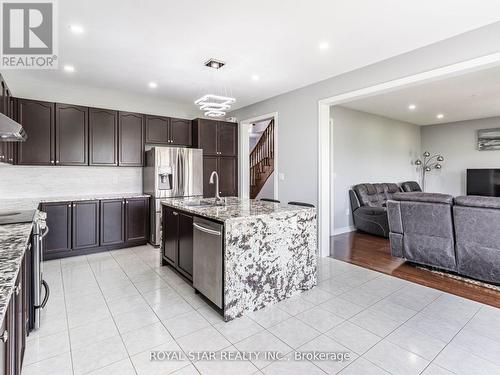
(262, 155)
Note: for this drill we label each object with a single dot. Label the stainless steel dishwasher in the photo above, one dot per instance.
(207, 259)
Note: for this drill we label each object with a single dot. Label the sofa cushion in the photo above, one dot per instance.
(375, 195)
(409, 186)
(477, 201)
(423, 197)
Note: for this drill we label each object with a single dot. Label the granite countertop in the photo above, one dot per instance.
(33, 202)
(14, 239)
(236, 208)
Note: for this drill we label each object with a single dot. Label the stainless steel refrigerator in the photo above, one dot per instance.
(171, 172)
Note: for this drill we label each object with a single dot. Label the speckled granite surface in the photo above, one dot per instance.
(270, 250)
(32, 203)
(14, 239)
(236, 208)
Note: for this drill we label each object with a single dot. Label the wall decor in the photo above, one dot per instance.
(488, 139)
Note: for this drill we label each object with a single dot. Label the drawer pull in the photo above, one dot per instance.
(5, 336)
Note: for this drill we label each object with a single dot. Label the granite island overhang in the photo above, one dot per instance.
(269, 250)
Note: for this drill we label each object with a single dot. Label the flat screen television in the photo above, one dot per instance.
(484, 182)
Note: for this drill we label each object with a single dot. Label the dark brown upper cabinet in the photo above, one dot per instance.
(180, 132)
(216, 138)
(103, 137)
(157, 129)
(112, 224)
(168, 131)
(136, 219)
(58, 239)
(72, 130)
(38, 120)
(227, 141)
(85, 224)
(130, 139)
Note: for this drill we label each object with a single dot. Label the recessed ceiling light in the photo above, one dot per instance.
(76, 29)
(69, 68)
(152, 85)
(324, 45)
(255, 77)
(215, 64)
(412, 107)
(439, 116)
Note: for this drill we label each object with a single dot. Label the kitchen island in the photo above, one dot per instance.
(268, 251)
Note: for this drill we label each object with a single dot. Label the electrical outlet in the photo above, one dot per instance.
(282, 176)
(347, 212)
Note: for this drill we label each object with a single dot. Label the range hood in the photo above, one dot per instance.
(11, 130)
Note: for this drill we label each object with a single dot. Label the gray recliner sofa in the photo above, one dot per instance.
(410, 186)
(368, 204)
(477, 227)
(421, 229)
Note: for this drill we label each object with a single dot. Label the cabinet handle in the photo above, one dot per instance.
(175, 213)
(123, 202)
(18, 289)
(57, 161)
(52, 162)
(5, 336)
(69, 206)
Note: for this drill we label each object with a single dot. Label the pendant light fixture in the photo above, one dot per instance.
(214, 105)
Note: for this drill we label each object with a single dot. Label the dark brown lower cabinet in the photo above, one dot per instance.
(112, 222)
(80, 227)
(136, 219)
(177, 241)
(185, 251)
(13, 330)
(85, 224)
(58, 240)
(170, 220)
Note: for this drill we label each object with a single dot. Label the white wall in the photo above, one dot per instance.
(457, 142)
(368, 148)
(35, 182)
(298, 110)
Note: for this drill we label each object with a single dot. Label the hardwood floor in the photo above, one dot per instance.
(374, 253)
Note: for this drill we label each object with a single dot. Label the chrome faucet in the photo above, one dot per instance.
(215, 176)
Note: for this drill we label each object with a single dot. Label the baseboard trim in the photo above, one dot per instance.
(343, 230)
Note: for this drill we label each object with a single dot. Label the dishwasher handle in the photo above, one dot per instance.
(207, 230)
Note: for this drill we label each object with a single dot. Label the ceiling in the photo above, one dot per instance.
(465, 97)
(127, 44)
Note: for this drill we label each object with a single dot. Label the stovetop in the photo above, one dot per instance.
(16, 216)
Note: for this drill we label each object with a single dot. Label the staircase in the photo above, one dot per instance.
(262, 161)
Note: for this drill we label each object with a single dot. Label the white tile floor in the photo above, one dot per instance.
(108, 311)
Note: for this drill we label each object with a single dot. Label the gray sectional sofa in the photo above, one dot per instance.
(460, 235)
(368, 205)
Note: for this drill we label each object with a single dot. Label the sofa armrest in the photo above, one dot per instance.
(374, 211)
(355, 204)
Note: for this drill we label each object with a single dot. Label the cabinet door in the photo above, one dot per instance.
(19, 324)
(209, 165)
(228, 177)
(112, 222)
(227, 144)
(180, 132)
(136, 219)
(170, 234)
(131, 139)
(85, 224)
(59, 222)
(7, 343)
(157, 129)
(37, 119)
(185, 253)
(207, 137)
(72, 129)
(103, 137)
(4, 345)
